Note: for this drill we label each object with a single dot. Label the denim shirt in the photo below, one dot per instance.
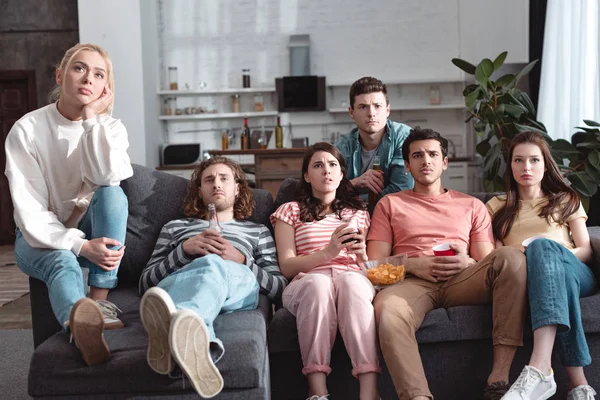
(395, 177)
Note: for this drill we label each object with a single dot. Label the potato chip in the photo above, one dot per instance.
(386, 274)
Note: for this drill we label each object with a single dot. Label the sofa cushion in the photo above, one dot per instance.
(440, 325)
(156, 198)
(242, 366)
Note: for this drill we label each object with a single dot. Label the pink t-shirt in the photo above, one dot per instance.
(314, 236)
(413, 223)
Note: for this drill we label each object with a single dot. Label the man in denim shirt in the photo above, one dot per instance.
(374, 135)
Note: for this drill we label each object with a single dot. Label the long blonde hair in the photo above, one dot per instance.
(65, 63)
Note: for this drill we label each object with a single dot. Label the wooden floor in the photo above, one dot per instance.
(15, 314)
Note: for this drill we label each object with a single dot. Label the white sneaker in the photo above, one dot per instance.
(315, 397)
(156, 311)
(532, 384)
(190, 347)
(109, 311)
(582, 392)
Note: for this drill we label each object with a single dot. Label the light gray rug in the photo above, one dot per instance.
(16, 348)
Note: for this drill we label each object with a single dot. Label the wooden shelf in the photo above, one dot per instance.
(208, 116)
(451, 106)
(215, 91)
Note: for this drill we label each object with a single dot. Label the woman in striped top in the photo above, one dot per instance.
(320, 239)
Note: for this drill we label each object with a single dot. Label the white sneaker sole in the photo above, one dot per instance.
(190, 343)
(156, 311)
(87, 326)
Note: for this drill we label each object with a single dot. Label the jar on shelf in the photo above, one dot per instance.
(246, 78)
(167, 110)
(258, 102)
(434, 95)
(235, 103)
(173, 78)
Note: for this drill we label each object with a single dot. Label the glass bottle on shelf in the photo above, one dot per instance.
(246, 77)
(224, 140)
(278, 134)
(173, 78)
(213, 219)
(246, 129)
(235, 103)
(245, 135)
(262, 139)
(258, 102)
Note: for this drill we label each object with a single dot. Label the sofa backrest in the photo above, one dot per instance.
(156, 198)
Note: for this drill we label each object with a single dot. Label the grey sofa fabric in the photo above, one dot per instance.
(455, 345)
(57, 370)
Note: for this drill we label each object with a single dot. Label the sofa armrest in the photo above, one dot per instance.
(594, 232)
(43, 321)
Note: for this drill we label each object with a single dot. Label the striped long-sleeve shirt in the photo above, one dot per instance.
(253, 240)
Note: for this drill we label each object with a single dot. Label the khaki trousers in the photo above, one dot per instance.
(500, 279)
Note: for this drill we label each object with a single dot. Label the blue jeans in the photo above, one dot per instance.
(60, 270)
(210, 286)
(556, 279)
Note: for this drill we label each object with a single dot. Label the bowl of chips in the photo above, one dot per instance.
(385, 271)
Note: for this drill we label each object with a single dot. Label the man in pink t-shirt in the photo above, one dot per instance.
(412, 222)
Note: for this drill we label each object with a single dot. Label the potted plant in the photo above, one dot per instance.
(499, 111)
(583, 169)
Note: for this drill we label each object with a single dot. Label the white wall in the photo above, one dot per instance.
(212, 40)
(115, 25)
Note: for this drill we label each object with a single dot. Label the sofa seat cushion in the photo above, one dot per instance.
(57, 367)
(440, 325)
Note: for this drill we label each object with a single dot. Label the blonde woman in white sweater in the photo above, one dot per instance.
(64, 163)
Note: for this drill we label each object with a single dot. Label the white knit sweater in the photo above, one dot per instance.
(54, 165)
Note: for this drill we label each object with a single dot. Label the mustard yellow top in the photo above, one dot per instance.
(528, 223)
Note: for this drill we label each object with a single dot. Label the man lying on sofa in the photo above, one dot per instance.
(412, 222)
(196, 273)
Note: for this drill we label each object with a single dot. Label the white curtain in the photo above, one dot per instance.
(570, 79)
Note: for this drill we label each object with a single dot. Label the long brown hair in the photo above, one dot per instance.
(346, 196)
(562, 200)
(65, 63)
(244, 204)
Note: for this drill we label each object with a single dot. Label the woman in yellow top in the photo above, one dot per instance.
(538, 202)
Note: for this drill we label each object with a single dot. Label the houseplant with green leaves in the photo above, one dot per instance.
(499, 110)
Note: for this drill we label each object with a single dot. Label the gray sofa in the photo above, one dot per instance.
(455, 345)
(57, 370)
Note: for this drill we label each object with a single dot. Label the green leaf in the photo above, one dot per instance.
(582, 182)
(527, 128)
(589, 122)
(492, 157)
(593, 173)
(484, 70)
(588, 130)
(564, 147)
(525, 100)
(526, 69)
(469, 89)
(589, 145)
(585, 202)
(500, 60)
(504, 80)
(513, 110)
(464, 65)
(483, 147)
(471, 99)
(594, 159)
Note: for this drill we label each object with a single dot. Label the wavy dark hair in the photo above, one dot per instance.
(346, 196)
(244, 204)
(562, 200)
